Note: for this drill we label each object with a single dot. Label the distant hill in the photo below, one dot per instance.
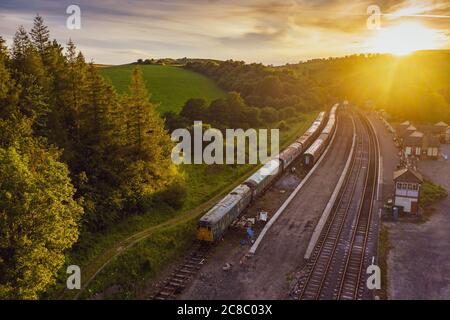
(413, 87)
(170, 86)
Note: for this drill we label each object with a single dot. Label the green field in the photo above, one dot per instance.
(170, 86)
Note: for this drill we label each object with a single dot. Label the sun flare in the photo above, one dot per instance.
(403, 39)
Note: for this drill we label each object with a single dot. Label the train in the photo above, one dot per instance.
(216, 221)
(315, 151)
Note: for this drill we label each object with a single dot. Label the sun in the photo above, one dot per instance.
(403, 39)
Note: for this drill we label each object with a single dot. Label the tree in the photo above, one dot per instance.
(194, 109)
(26, 59)
(4, 73)
(38, 219)
(33, 102)
(56, 66)
(40, 35)
(218, 112)
(21, 43)
(252, 116)
(270, 86)
(72, 97)
(148, 143)
(236, 106)
(174, 121)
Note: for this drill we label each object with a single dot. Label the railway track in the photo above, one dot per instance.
(175, 283)
(336, 266)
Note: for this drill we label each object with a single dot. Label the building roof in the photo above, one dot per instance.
(408, 175)
(416, 134)
(411, 128)
(406, 123)
(441, 124)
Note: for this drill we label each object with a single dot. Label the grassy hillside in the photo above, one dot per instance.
(170, 86)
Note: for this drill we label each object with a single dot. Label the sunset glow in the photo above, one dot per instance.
(404, 39)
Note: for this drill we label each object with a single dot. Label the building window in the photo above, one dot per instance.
(408, 151)
(410, 186)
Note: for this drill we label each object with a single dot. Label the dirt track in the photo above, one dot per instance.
(270, 272)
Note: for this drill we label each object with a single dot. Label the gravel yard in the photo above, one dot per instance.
(419, 260)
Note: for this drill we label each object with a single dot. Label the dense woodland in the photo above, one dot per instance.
(75, 157)
(414, 87)
(257, 96)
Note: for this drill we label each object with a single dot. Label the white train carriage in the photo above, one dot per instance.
(313, 153)
(330, 127)
(262, 178)
(216, 221)
(313, 131)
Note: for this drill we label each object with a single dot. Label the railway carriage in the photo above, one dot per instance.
(313, 131)
(216, 221)
(313, 153)
(262, 178)
(291, 153)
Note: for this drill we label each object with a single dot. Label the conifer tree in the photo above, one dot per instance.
(72, 99)
(149, 144)
(4, 74)
(56, 66)
(33, 85)
(40, 35)
(144, 125)
(21, 43)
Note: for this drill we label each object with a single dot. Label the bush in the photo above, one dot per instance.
(174, 195)
(431, 193)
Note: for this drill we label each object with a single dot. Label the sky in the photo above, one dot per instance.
(272, 32)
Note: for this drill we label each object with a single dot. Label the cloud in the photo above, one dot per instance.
(269, 31)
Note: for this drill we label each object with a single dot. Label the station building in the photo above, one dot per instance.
(422, 141)
(407, 184)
